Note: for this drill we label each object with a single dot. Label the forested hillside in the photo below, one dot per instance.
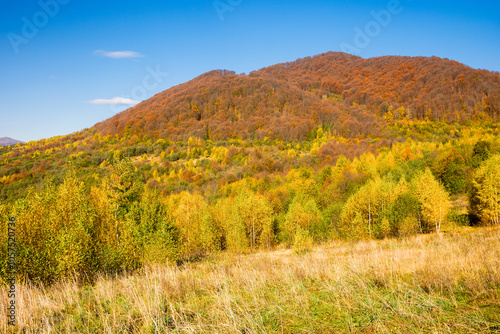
(221, 105)
(287, 101)
(432, 88)
(324, 148)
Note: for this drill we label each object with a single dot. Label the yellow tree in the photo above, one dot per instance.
(303, 214)
(376, 210)
(75, 220)
(485, 201)
(434, 199)
(362, 209)
(301, 181)
(35, 234)
(226, 215)
(366, 164)
(256, 213)
(385, 162)
(55, 232)
(199, 233)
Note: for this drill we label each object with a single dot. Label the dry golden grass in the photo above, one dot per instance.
(429, 283)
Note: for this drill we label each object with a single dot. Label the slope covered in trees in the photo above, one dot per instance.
(288, 155)
(134, 212)
(222, 105)
(439, 89)
(287, 101)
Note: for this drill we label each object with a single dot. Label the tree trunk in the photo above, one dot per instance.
(438, 228)
(253, 233)
(370, 217)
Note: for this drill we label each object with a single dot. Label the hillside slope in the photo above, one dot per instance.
(287, 101)
(306, 113)
(220, 105)
(439, 89)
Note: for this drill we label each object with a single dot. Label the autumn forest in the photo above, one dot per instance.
(330, 147)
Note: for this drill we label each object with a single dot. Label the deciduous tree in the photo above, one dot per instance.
(485, 199)
(434, 200)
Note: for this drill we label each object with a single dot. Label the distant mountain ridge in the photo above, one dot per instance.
(6, 141)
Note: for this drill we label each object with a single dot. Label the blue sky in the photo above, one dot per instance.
(64, 64)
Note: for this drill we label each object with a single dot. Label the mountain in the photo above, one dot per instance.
(221, 126)
(6, 141)
(288, 101)
(440, 89)
(221, 104)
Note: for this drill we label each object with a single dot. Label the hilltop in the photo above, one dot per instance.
(287, 101)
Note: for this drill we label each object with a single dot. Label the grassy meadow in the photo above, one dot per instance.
(433, 283)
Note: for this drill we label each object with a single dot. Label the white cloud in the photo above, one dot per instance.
(119, 54)
(114, 101)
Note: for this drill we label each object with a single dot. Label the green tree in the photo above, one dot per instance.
(451, 170)
(124, 187)
(303, 214)
(154, 235)
(125, 183)
(480, 153)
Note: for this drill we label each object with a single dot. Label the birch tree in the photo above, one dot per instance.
(434, 200)
(256, 213)
(486, 195)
